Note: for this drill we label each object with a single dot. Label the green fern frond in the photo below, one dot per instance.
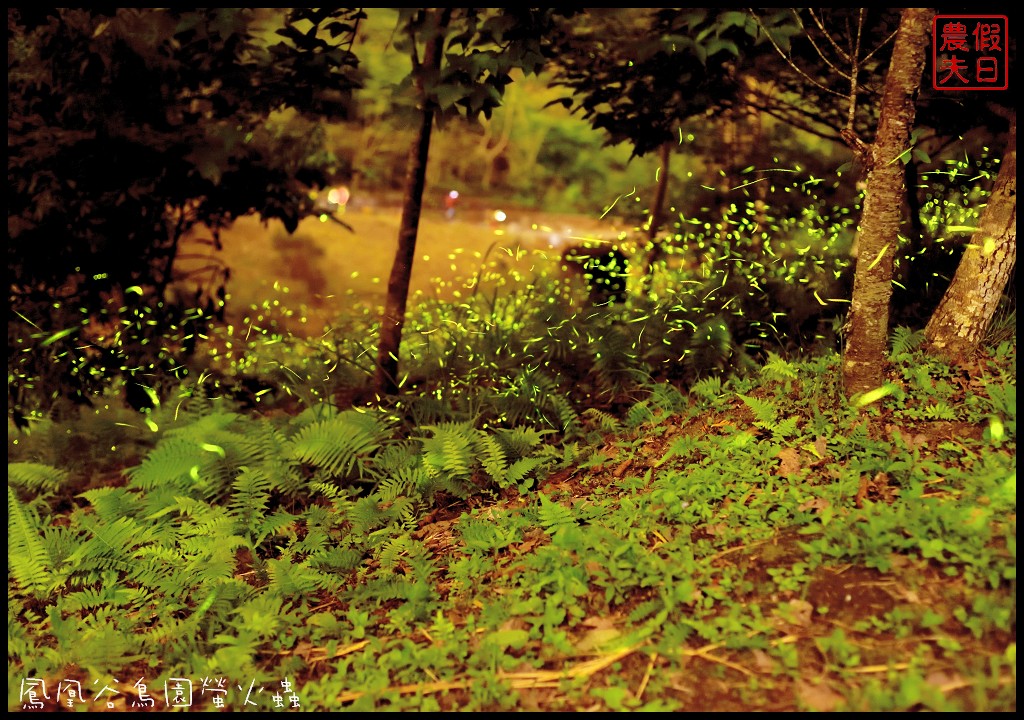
(342, 446)
(112, 544)
(28, 559)
(273, 526)
(393, 550)
(646, 609)
(449, 451)
(35, 477)
(429, 410)
(110, 593)
(289, 578)
(111, 503)
(614, 358)
(940, 410)
(667, 397)
(786, 428)
(492, 457)
(553, 516)
(778, 369)
(708, 388)
(365, 516)
(338, 560)
(250, 497)
(175, 462)
(521, 441)
(521, 469)
(639, 414)
(566, 419)
(483, 536)
(905, 340)
(1004, 399)
(765, 412)
(205, 428)
(606, 422)
(395, 486)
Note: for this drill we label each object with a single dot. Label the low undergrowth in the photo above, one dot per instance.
(752, 543)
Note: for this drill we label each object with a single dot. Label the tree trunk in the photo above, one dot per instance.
(958, 324)
(877, 240)
(386, 377)
(656, 219)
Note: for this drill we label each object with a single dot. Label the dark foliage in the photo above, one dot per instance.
(129, 127)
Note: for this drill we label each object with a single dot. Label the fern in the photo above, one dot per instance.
(778, 369)
(708, 388)
(681, 447)
(639, 414)
(765, 412)
(1004, 399)
(449, 450)
(364, 515)
(520, 441)
(111, 503)
(940, 410)
(28, 559)
(519, 471)
(905, 340)
(176, 462)
(289, 579)
(393, 550)
(115, 540)
(613, 359)
(249, 500)
(342, 446)
(786, 428)
(492, 457)
(35, 477)
(534, 396)
(646, 609)
(109, 592)
(338, 560)
(606, 422)
(553, 516)
(396, 486)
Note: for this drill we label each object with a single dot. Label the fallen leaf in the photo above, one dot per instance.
(763, 661)
(818, 697)
(790, 464)
(862, 492)
(596, 639)
(818, 504)
(821, 445)
(944, 681)
(600, 621)
(795, 612)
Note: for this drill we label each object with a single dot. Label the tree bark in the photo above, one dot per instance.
(965, 312)
(656, 219)
(386, 376)
(877, 241)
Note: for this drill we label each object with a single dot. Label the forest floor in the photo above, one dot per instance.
(880, 634)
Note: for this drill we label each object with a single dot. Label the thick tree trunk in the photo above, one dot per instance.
(958, 324)
(386, 377)
(864, 360)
